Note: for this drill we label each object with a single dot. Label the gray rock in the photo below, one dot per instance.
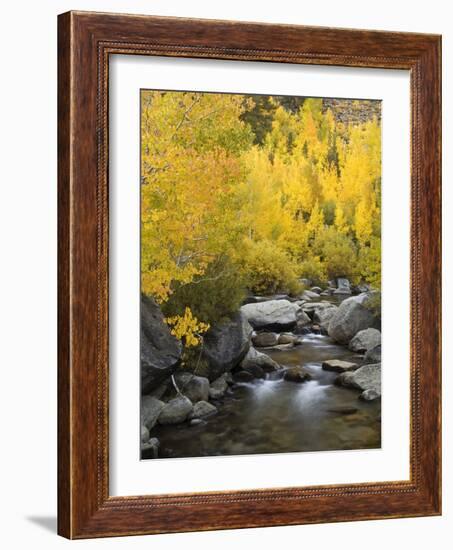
(286, 338)
(150, 449)
(365, 340)
(309, 295)
(351, 317)
(362, 288)
(196, 422)
(196, 388)
(150, 409)
(323, 316)
(201, 409)
(160, 352)
(256, 371)
(243, 376)
(161, 389)
(175, 411)
(369, 395)
(218, 387)
(296, 374)
(283, 347)
(316, 289)
(373, 355)
(303, 319)
(343, 286)
(310, 308)
(144, 434)
(225, 345)
(265, 339)
(306, 282)
(259, 359)
(365, 378)
(259, 299)
(336, 365)
(275, 314)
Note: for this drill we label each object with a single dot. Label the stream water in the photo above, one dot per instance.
(274, 415)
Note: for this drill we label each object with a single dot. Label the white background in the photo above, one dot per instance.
(28, 271)
(128, 475)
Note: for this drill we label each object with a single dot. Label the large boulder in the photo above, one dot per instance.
(150, 409)
(226, 344)
(196, 388)
(351, 317)
(365, 340)
(274, 315)
(323, 316)
(365, 378)
(160, 352)
(175, 411)
(256, 358)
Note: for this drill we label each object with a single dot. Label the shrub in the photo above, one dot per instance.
(269, 269)
(211, 297)
(337, 252)
(312, 268)
(369, 263)
(374, 304)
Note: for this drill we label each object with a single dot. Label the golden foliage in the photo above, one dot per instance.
(187, 327)
(303, 200)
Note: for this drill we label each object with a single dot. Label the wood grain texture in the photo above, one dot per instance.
(86, 40)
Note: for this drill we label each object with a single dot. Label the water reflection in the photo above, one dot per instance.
(274, 415)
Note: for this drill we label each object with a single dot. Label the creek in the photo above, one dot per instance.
(273, 415)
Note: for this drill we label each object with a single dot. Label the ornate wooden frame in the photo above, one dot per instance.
(85, 41)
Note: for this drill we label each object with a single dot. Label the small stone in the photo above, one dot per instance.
(150, 409)
(150, 449)
(316, 289)
(373, 355)
(255, 370)
(195, 388)
(243, 376)
(343, 410)
(218, 387)
(196, 421)
(296, 374)
(369, 395)
(175, 411)
(144, 433)
(265, 339)
(335, 365)
(201, 409)
(286, 338)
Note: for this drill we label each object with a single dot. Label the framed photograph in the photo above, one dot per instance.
(249, 275)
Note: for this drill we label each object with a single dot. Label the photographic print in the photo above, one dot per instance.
(260, 274)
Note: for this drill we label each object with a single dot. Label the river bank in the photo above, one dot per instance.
(295, 388)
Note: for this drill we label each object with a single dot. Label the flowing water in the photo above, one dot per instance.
(273, 415)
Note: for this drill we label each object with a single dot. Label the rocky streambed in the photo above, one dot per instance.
(282, 376)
